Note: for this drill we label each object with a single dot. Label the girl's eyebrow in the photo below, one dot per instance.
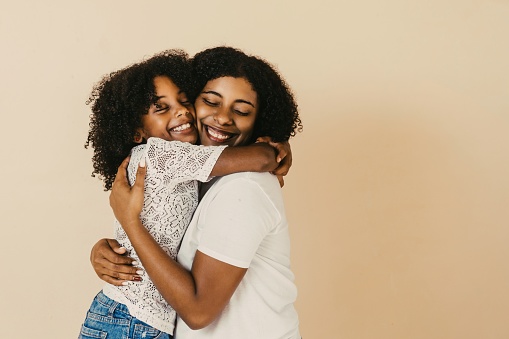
(238, 100)
(157, 97)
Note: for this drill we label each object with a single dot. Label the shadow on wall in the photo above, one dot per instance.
(387, 228)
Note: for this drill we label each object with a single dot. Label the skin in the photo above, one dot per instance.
(171, 117)
(226, 111)
(226, 108)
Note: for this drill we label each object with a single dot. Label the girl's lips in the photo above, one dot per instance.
(181, 128)
(184, 129)
(217, 135)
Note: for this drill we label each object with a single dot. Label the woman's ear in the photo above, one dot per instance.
(138, 136)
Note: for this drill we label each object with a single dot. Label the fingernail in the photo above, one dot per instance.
(134, 263)
(125, 283)
(140, 272)
(123, 248)
(136, 278)
(142, 162)
(278, 159)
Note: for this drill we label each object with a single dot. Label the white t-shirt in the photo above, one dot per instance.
(241, 221)
(171, 196)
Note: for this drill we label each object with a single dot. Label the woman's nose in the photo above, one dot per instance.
(222, 117)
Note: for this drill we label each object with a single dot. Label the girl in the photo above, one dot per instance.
(146, 104)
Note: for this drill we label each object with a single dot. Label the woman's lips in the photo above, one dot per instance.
(217, 135)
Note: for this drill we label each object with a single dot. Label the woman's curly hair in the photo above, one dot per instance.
(277, 115)
(119, 100)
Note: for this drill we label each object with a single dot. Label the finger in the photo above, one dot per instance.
(115, 259)
(140, 175)
(104, 251)
(282, 153)
(105, 266)
(115, 246)
(122, 273)
(264, 139)
(115, 281)
(281, 180)
(122, 171)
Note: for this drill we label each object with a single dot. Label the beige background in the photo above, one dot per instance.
(398, 198)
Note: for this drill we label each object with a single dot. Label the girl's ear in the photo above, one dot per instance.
(138, 136)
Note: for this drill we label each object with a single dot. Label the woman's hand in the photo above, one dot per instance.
(111, 264)
(126, 201)
(284, 157)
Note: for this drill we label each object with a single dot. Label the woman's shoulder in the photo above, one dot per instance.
(250, 181)
(251, 177)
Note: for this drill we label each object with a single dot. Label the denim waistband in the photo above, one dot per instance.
(110, 303)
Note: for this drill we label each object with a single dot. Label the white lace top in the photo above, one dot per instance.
(171, 196)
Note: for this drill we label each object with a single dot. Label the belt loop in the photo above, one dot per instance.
(112, 308)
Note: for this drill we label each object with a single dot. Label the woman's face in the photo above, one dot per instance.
(226, 111)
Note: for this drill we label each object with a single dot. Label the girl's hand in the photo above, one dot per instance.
(111, 264)
(284, 157)
(126, 201)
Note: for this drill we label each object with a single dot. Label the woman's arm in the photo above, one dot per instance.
(198, 296)
(111, 264)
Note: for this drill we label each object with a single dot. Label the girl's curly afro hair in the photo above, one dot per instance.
(277, 115)
(119, 100)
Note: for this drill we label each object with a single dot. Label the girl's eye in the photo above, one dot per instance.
(185, 102)
(160, 108)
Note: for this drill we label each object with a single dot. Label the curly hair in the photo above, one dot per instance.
(277, 115)
(119, 100)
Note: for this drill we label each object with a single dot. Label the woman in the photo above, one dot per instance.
(240, 222)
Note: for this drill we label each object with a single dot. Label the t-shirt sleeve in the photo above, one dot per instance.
(237, 220)
(180, 161)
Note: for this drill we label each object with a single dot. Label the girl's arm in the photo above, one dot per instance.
(198, 296)
(259, 157)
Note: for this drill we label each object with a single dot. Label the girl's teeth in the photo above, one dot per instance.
(217, 135)
(182, 127)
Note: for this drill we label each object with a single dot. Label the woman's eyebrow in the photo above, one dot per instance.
(238, 100)
(245, 102)
(212, 92)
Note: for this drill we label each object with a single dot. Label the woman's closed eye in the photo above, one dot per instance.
(210, 103)
(241, 113)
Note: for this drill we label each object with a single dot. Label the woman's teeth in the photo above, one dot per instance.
(181, 127)
(217, 135)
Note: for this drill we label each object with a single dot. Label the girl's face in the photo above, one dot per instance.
(171, 116)
(226, 111)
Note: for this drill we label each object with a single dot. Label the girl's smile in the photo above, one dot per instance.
(171, 116)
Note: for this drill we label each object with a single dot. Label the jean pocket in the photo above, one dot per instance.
(89, 333)
(147, 332)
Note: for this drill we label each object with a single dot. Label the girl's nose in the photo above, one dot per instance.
(181, 111)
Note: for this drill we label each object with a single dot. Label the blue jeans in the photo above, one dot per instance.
(109, 319)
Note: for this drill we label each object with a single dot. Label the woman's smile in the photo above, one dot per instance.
(226, 110)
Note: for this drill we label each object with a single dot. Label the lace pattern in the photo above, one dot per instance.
(171, 196)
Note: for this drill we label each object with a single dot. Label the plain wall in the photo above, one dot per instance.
(399, 194)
